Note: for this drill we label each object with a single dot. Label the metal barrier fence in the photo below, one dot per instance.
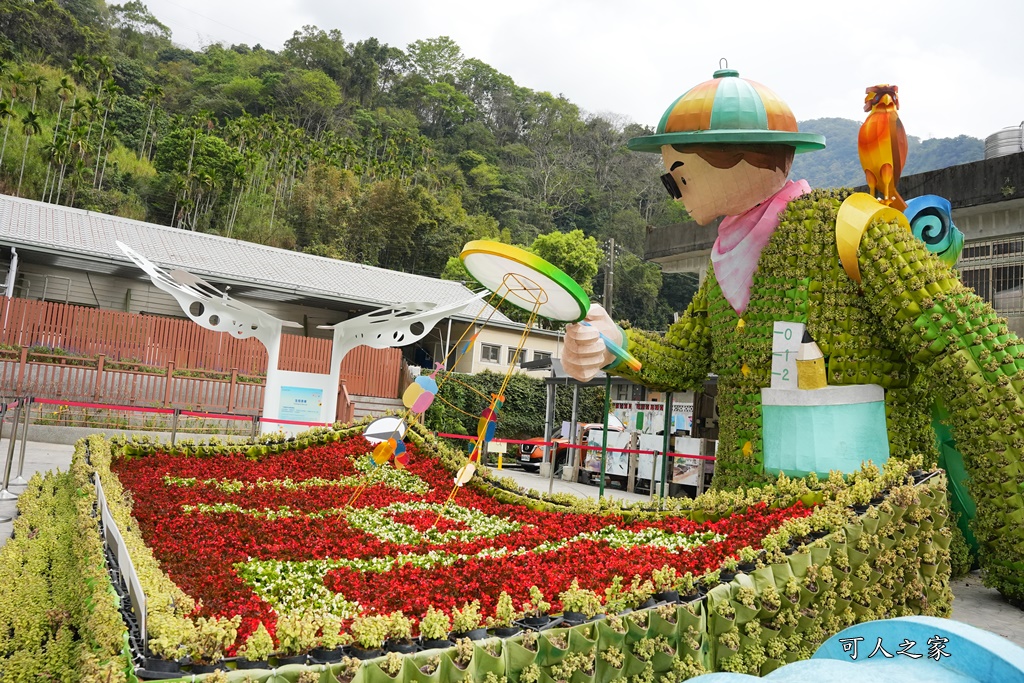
(577, 458)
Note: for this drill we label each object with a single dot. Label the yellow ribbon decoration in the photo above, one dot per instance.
(855, 216)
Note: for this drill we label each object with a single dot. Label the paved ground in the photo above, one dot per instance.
(974, 604)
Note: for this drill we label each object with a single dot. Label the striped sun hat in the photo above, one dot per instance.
(728, 110)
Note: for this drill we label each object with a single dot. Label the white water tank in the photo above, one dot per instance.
(1007, 141)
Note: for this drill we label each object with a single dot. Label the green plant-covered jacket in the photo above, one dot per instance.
(911, 327)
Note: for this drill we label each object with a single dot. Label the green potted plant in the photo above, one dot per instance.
(347, 669)
(168, 646)
(505, 615)
(256, 650)
(640, 593)
(332, 640)
(369, 633)
(687, 588)
(536, 609)
(579, 604)
(466, 622)
(463, 653)
(392, 664)
(210, 638)
(296, 635)
(665, 580)
(434, 628)
(728, 570)
(747, 558)
(400, 633)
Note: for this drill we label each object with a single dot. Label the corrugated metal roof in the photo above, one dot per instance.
(75, 232)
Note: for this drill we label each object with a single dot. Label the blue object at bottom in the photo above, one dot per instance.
(798, 440)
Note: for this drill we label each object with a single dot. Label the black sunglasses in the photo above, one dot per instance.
(669, 181)
(671, 185)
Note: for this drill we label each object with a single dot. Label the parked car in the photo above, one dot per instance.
(531, 453)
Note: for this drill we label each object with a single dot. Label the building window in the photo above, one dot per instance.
(512, 355)
(628, 391)
(995, 271)
(490, 353)
(541, 355)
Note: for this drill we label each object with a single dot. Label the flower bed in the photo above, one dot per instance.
(274, 535)
(268, 538)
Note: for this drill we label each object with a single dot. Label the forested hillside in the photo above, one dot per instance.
(839, 166)
(390, 156)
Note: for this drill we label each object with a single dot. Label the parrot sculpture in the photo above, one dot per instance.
(882, 144)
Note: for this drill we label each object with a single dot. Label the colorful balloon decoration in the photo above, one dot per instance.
(420, 394)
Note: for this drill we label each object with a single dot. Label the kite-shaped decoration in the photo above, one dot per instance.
(383, 451)
(420, 394)
(384, 428)
(401, 456)
(488, 423)
(465, 346)
(465, 473)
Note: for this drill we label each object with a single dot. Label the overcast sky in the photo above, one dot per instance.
(959, 65)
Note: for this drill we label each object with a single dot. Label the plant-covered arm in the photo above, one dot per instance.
(681, 359)
(975, 365)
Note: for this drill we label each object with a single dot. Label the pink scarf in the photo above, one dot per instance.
(741, 239)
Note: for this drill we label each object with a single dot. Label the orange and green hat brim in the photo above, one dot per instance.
(728, 110)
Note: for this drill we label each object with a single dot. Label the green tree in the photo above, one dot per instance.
(576, 254)
(385, 221)
(435, 59)
(314, 48)
(321, 208)
(138, 30)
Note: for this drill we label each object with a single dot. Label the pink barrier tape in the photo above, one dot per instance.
(295, 422)
(103, 406)
(216, 416)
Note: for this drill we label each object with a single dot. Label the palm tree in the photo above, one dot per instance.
(92, 103)
(56, 152)
(111, 90)
(37, 87)
(63, 90)
(30, 127)
(81, 69)
(153, 94)
(104, 70)
(16, 80)
(5, 71)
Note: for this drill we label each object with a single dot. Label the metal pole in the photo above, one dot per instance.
(3, 412)
(574, 453)
(667, 442)
(604, 437)
(174, 425)
(549, 428)
(4, 493)
(20, 480)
